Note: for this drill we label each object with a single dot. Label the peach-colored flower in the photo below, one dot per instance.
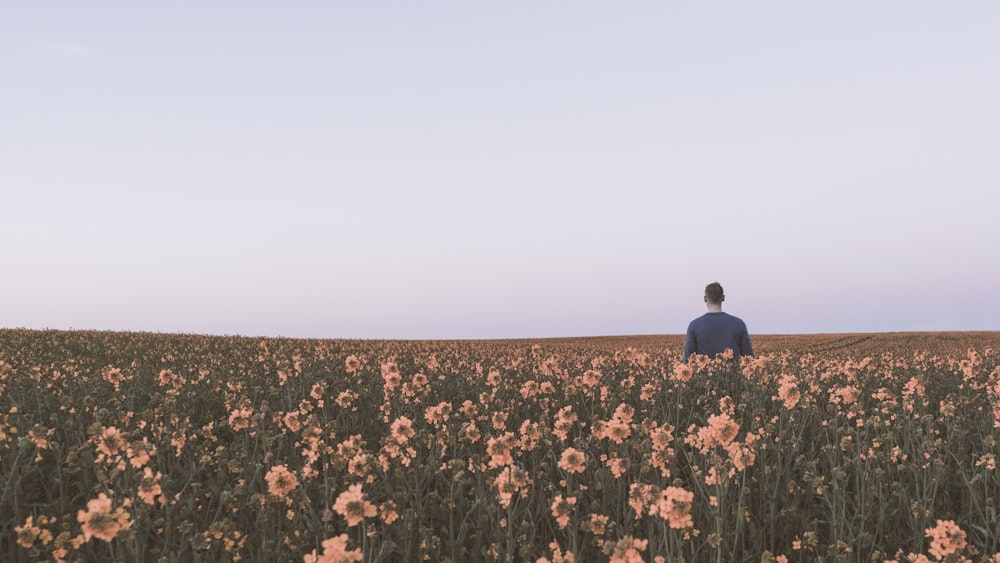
(531, 433)
(493, 378)
(846, 395)
(591, 378)
(509, 482)
(387, 511)
(113, 375)
(317, 391)
(139, 453)
(499, 420)
(240, 418)
(557, 555)
(617, 465)
(438, 414)
(529, 389)
(100, 521)
(419, 380)
(334, 551)
(280, 481)
(788, 391)
(720, 431)
(573, 461)
(149, 487)
(499, 449)
(29, 533)
(345, 400)
(946, 538)
(291, 421)
(402, 430)
(39, 435)
(561, 509)
(471, 432)
(597, 524)
(392, 377)
(682, 372)
(110, 442)
(352, 363)
(351, 504)
(628, 550)
(641, 497)
(564, 422)
(674, 506)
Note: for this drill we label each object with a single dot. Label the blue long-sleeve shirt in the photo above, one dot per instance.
(714, 333)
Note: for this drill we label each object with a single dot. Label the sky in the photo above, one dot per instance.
(467, 170)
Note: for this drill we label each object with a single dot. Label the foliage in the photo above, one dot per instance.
(136, 447)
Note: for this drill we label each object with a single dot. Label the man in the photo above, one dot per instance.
(715, 331)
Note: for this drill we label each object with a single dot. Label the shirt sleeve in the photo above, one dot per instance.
(746, 349)
(690, 343)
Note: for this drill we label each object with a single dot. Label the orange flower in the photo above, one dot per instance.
(847, 395)
(149, 488)
(617, 430)
(499, 420)
(280, 481)
(419, 380)
(788, 392)
(471, 431)
(352, 363)
(557, 555)
(946, 538)
(346, 399)
(510, 481)
(334, 551)
(39, 435)
(493, 378)
(598, 524)
(100, 522)
(240, 418)
(291, 421)
(591, 378)
(674, 506)
(499, 449)
(720, 431)
(561, 509)
(392, 377)
(111, 441)
(438, 414)
(617, 465)
(387, 511)
(531, 433)
(640, 497)
(627, 550)
(138, 453)
(573, 461)
(351, 504)
(682, 372)
(402, 430)
(564, 422)
(29, 533)
(113, 376)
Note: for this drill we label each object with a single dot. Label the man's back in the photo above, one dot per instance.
(714, 333)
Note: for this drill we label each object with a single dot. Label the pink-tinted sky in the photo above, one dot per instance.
(470, 170)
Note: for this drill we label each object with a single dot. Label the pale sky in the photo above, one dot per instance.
(469, 169)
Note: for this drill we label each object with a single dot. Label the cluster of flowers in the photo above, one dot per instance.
(153, 446)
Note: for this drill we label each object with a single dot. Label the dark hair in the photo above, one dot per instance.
(713, 292)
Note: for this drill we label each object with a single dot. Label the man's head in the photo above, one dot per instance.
(714, 294)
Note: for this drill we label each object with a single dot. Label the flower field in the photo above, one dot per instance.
(159, 447)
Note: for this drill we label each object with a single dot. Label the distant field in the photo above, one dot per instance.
(857, 344)
(165, 447)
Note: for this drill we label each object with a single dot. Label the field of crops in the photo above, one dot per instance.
(158, 447)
